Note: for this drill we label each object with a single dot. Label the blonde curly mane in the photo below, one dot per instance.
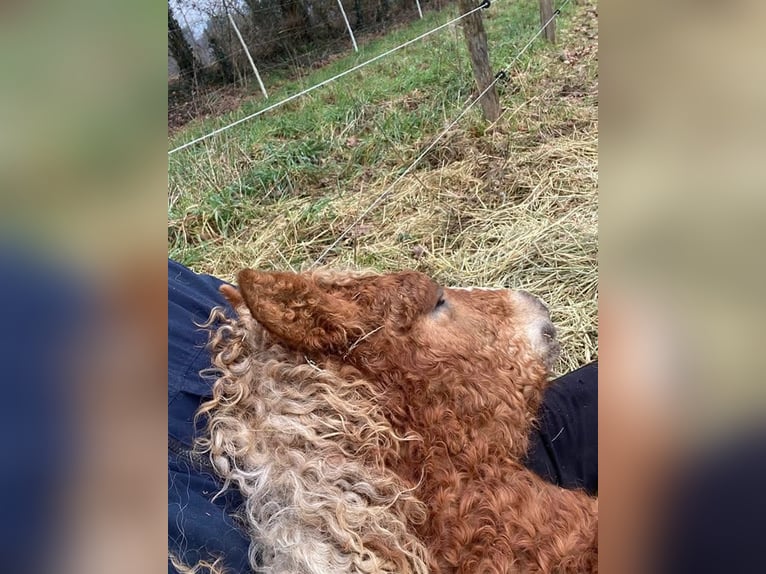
(310, 451)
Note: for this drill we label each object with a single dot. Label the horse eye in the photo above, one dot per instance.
(440, 301)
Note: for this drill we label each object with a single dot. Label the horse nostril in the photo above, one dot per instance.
(549, 331)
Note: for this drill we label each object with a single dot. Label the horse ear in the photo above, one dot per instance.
(232, 295)
(299, 313)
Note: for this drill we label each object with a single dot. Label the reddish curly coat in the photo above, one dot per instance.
(467, 377)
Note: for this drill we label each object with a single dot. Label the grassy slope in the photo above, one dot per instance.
(514, 205)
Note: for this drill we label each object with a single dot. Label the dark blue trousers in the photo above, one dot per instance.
(198, 526)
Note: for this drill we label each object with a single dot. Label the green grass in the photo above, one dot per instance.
(388, 106)
(513, 204)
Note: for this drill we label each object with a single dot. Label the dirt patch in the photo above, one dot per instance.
(186, 105)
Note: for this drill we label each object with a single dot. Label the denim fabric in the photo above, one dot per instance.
(199, 526)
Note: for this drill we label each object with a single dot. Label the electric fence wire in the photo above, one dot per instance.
(295, 96)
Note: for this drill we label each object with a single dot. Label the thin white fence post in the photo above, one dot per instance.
(419, 10)
(249, 57)
(348, 26)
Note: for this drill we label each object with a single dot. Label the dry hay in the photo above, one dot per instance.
(531, 225)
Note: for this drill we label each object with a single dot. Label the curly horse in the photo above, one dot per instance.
(377, 423)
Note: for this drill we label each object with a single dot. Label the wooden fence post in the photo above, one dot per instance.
(476, 38)
(546, 13)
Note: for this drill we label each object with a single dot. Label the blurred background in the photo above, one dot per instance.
(82, 198)
(682, 275)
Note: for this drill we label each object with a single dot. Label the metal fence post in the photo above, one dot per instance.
(348, 26)
(249, 57)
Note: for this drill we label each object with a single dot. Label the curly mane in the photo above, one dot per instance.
(308, 449)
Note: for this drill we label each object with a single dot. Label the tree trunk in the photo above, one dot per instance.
(359, 14)
(476, 38)
(224, 61)
(179, 48)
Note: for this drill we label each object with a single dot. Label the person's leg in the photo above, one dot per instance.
(564, 446)
(199, 528)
